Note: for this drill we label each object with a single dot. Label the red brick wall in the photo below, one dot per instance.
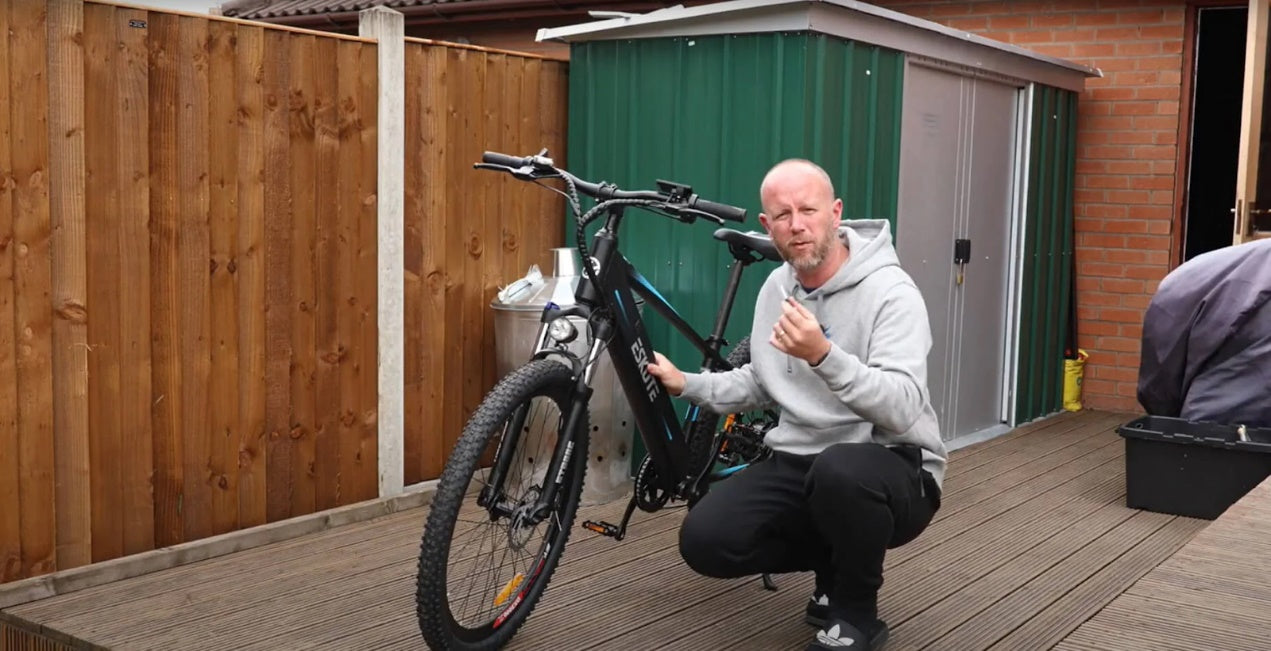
(1128, 133)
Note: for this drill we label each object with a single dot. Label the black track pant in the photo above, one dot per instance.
(836, 513)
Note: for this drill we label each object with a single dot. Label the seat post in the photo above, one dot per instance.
(716, 340)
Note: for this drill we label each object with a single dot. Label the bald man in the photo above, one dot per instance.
(839, 343)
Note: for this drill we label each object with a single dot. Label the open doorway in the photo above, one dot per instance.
(1214, 133)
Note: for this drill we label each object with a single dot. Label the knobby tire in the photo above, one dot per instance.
(539, 378)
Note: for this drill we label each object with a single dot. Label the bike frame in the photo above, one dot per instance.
(630, 349)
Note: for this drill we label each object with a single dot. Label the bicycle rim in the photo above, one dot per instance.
(480, 576)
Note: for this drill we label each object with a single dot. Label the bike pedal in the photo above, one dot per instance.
(602, 528)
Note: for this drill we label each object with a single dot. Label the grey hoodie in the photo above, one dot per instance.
(872, 386)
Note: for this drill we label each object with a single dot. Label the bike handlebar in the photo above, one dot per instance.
(495, 158)
(537, 167)
(721, 210)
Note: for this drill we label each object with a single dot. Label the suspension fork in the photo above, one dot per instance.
(574, 428)
(580, 398)
(507, 447)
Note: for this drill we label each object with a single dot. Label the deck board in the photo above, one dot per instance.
(1033, 540)
(1211, 594)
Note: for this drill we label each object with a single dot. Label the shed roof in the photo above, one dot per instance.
(289, 11)
(255, 9)
(848, 19)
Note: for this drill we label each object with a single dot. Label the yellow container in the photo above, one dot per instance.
(1073, 370)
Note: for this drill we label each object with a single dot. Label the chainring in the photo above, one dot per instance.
(648, 495)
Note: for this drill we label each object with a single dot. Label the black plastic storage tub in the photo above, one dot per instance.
(1193, 469)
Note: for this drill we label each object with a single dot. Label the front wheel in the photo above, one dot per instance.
(483, 568)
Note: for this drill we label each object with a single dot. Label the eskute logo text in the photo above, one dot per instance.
(642, 361)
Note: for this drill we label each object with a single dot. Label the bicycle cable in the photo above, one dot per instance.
(583, 220)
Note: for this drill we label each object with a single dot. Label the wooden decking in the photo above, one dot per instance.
(1213, 593)
(1033, 540)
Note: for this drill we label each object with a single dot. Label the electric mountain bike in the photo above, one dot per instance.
(507, 497)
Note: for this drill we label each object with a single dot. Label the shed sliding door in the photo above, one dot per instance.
(957, 178)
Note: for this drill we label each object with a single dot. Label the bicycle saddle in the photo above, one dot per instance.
(741, 244)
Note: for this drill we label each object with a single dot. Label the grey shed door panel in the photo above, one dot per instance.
(956, 181)
(930, 167)
(987, 223)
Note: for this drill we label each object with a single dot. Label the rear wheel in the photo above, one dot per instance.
(482, 569)
(743, 433)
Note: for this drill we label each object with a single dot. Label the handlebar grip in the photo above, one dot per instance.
(495, 158)
(721, 210)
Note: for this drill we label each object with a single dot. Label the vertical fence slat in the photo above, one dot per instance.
(414, 322)
(347, 305)
(456, 260)
(303, 324)
(101, 140)
(165, 296)
(555, 120)
(368, 272)
(490, 213)
(10, 495)
(435, 99)
(534, 220)
(33, 284)
(510, 225)
(326, 146)
(280, 452)
(70, 316)
(252, 387)
(549, 220)
(223, 215)
(472, 228)
(133, 159)
(194, 246)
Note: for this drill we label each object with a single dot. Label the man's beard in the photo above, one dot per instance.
(812, 259)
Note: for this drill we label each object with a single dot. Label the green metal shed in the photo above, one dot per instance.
(948, 135)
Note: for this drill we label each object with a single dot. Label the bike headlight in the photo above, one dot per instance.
(562, 331)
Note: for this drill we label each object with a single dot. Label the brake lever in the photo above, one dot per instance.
(675, 212)
(526, 173)
(705, 215)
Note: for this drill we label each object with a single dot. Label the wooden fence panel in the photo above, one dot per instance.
(188, 269)
(468, 232)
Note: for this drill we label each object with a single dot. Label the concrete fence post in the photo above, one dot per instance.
(388, 27)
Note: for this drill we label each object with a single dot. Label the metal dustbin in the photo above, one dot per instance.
(517, 310)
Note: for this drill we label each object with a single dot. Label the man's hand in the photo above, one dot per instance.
(666, 373)
(798, 333)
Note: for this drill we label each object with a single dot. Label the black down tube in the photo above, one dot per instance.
(631, 351)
